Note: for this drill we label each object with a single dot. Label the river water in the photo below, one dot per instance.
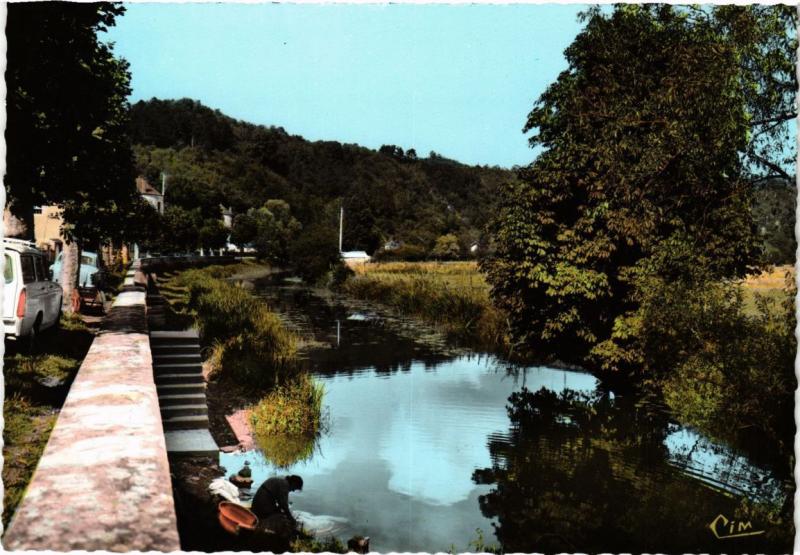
(430, 447)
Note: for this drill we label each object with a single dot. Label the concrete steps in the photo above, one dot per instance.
(178, 373)
(184, 378)
(174, 337)
(191, 443)
(194, 409)
(163, 358)
(179, 399)
(178, 368)
(170, 389)
(190, 422)
(174, 348)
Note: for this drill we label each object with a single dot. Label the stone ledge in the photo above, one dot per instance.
(103, 482)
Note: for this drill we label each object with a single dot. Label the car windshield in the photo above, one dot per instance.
(8, 270)
(87, 260)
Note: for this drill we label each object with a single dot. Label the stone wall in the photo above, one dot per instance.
(103, 482)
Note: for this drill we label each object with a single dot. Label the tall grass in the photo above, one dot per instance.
(250, 343)
(451, 296)
(287, 422)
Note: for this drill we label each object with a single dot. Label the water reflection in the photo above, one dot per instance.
(583, 473)
(426, 445)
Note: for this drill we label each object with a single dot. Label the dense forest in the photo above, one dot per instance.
(388, 195)
(428, 207)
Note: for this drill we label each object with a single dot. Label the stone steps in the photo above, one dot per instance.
(170, 389)
(190, 422)
(176, 358)
(177, 369)
(168, 411)
(174, 349)
(189, 337)
(167, 400)
(191, 443)
(186, 378)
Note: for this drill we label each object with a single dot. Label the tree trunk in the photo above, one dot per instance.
(70, 272)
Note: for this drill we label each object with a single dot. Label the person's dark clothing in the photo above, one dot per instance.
(271, 498)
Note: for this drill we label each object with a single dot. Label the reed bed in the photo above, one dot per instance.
(248, 341)
(452, 296)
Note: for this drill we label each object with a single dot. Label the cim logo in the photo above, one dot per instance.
(724, 528)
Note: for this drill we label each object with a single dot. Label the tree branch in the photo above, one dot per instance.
(780, 117)
(772, 166)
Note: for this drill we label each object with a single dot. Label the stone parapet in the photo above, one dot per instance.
(103, 482)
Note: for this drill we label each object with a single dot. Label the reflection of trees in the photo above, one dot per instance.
(583, 474)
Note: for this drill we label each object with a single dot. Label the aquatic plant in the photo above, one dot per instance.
(287, 422)
(293, 408)
(452, 296)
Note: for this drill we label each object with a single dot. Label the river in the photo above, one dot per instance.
(429, 447)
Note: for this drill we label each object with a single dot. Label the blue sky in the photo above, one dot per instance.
(457, 79)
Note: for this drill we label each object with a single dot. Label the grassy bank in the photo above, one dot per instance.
(248, 345)
(247, 341)
(452, 296)
(36, 386)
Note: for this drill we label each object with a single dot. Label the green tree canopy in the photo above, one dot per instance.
(67, 118)
(643, 171)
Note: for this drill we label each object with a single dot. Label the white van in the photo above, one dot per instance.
(31, 301)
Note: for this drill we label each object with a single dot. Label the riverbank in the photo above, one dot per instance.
(36, 385)
(453, 296)
(250, 368)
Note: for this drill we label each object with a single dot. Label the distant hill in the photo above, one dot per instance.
(212, 159)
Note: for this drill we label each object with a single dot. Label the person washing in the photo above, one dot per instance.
(272, 497)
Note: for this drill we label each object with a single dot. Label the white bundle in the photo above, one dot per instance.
(224, 488)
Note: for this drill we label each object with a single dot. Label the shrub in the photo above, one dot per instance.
(250, 343)
(287, 422)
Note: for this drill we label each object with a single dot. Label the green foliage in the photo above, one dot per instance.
(414, 200)
(446, 248)
(254, 347)
(293, 408)
(724, 371)
(67, 120)
(287, 422)
(165, 123)
(774, 206)
(407, 253)
(642, 139)
(26, 429)
(315, 253)
(274, 228)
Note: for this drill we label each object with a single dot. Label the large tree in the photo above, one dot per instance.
(67, 120)
(644, 171)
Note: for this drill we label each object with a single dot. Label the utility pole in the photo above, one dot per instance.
(341, 227)
(163, 191)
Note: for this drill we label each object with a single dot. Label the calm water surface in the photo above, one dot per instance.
(428, 444)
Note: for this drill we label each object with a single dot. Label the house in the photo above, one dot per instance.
(391, 245)
(150, 194)
(227, 216)
(47, 222)
(354, 258)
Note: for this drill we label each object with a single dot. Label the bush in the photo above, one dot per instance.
(287, 422)
(250, 342)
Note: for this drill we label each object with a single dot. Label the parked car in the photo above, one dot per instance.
(31, 301)
(88, 269)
